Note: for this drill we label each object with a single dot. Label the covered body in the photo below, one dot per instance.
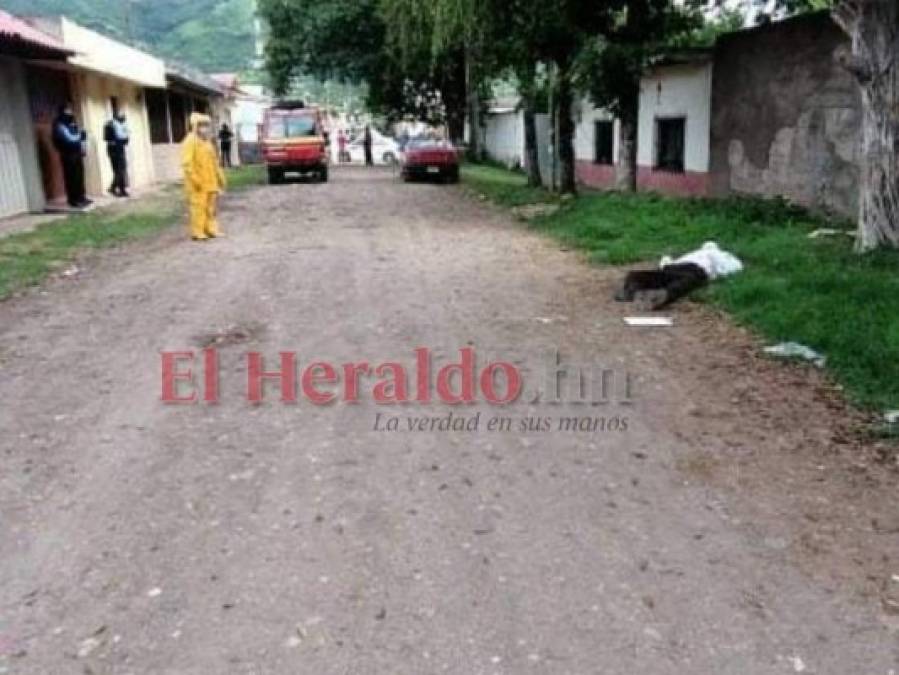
(714, 261)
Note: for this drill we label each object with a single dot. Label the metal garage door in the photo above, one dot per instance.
(13, 198)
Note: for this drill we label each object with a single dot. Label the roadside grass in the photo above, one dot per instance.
(502, 186)
(246, 176)
(27, 258)
(814, 291)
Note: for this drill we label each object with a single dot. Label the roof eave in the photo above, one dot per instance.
(193, 84)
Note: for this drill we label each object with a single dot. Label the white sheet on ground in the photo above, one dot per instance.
(715, 262)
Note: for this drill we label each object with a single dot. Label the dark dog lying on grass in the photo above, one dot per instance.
(655, 289)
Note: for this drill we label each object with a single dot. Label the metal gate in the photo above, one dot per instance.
(13, 197)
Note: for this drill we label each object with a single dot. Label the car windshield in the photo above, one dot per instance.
(295, 126)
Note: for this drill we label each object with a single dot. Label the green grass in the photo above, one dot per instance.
(814, 291)
(27, 258)
(246, 176)
(507, 188)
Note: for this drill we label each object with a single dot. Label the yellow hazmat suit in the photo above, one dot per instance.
(203, 179)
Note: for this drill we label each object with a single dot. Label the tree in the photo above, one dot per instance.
(348, 40)
(611, 67)
(527, 79)
(873, 59)
(469, 24)
(563, 29)
(873, 28)
(437, 66)
(500, 36)
(342, 39)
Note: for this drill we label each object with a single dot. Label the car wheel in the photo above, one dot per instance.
(323, 174)
(275, 176)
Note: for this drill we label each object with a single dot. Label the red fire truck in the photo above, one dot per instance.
(294, 141)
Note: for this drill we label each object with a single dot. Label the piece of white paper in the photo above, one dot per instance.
(649, 321)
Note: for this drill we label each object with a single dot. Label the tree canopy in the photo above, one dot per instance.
(434, 60)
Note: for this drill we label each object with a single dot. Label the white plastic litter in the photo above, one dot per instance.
(829, 232)
(649, 321)
(794, 350)
(891, 417)
(798, 664)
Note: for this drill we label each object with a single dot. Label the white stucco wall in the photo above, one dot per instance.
(504, 137)
(92, 95)
(247, 116)
(677, 91)
(584, 142)
(101, 54)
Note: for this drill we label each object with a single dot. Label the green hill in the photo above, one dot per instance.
(215, 35)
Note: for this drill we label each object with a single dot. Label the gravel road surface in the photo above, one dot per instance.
(723, 516)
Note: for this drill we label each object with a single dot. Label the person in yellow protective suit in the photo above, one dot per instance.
(203, 178)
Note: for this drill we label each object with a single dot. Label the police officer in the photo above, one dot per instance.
(69, 141)
(117, 136)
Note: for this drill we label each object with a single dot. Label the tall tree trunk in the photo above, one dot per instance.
(626, 168)
(528, 87)
(453, 92)
(873, 26)
(531, 153)
(455, 125)
(567, 179)
(473, 93)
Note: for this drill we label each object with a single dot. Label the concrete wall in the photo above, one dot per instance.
(20, 178)
(504, 137)
(678, 90)
(584, 142)
(92, 93)
(786, 116)
(587, 171)
(167, 160)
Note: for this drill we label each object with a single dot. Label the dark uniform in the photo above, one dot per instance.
(117, 137)
(225, 136)
(68, 140)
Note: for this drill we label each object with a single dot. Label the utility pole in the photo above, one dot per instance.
(554, 130)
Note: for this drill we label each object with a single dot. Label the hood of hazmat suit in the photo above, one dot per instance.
(202, 173)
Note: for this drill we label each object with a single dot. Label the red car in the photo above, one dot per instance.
(431, 159)
(293, 140)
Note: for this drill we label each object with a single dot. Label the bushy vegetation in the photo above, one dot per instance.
(814, 291)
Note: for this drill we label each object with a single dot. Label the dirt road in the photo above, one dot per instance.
(736, 526)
